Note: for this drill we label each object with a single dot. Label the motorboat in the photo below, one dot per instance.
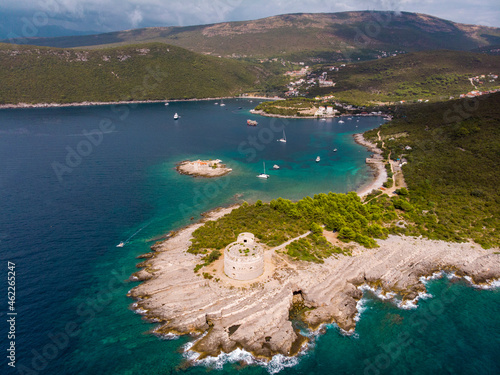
(341, 121)
(251, 123)
(263, 175)
(121, 244)
(176, 116)
(318, 159)
(276, 166)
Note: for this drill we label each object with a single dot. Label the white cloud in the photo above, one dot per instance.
(135, 17)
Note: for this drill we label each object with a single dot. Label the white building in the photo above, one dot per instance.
(244, 259)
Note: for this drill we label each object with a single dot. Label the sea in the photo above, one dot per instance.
(77, 181)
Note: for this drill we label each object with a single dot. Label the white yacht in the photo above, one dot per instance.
(263, 175)
(121, 244)
(176, 116)
(167, 103)
(284, 137)
(318, 159)
(334, 150)
(341, 121)
(276, 166)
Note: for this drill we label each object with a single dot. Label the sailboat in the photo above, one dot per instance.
(284, 137)
(176, 116)
(263, 175)
(221, 103)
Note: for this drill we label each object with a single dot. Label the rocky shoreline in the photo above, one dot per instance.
(203, 168)
(93, 103)
(254, 315)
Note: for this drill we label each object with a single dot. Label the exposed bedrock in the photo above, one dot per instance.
(254, 314)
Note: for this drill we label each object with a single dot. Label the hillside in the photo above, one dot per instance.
(429, 75)
(325, 36)
(453, 163)
(149, 71)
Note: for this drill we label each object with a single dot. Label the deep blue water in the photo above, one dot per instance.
(68, 198)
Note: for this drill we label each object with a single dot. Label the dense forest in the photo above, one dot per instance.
(453, 158)
(152, 71)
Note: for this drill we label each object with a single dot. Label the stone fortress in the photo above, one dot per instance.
(244, 259)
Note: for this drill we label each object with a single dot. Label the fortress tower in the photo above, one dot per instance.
(244, 259)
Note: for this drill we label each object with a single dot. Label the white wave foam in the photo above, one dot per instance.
(490, 284)
(168, 336)
(381, 294)
(360, 307)
(277, 363)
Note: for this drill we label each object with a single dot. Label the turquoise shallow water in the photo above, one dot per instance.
(62, 231)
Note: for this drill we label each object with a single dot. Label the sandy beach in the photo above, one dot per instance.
(376, 163)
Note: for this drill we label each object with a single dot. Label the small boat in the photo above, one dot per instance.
(318, 159)
(240, 107)
(263, 175)
(176, 116)
(222, 104)
(251, 123)
(334, 150)
(341, 121)
(167, 103)
(349, 118)
(322, 119)
(276, 166)
(284, 137)
(216, 103)
(121, 244)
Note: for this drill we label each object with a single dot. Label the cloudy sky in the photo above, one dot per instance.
(59, 17)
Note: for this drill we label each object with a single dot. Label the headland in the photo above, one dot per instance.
(226, 314)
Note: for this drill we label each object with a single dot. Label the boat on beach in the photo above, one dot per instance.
(251, 122)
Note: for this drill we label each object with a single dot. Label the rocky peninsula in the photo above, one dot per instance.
(255, 315)
(203, 168)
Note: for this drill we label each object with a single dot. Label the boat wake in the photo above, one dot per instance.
(123, 243)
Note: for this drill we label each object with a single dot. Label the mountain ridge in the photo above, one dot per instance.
(346, 33)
